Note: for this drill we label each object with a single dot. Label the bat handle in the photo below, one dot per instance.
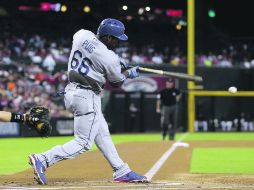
(160, 72)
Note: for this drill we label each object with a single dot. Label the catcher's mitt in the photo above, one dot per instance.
(38, 119)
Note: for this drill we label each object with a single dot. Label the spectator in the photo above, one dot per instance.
(49, 63)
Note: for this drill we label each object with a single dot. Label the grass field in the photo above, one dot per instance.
(223, 160)
(14, 151)
(231, 136)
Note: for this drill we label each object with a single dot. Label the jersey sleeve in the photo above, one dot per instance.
(113, 70)
(78, 37)
(78, 34)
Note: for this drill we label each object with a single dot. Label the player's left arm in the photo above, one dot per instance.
(5, 116)
(179, 95)
(129, 73)
(114, 74)
(37, 119)
(124, 65)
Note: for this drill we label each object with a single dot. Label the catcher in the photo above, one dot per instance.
(37, 119)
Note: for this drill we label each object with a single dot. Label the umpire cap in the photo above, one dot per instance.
(112, 27)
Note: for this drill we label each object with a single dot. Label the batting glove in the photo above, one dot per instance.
(133, 72)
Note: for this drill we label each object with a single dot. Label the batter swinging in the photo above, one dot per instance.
(91, 63)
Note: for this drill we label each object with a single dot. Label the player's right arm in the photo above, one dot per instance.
(178, 96)
(113, 71)
(132, 72)
(158, 103)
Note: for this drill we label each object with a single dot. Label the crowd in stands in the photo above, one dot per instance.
(238, 55)
(34, 49)
(47, 53)
(32, 80)
(22, 87)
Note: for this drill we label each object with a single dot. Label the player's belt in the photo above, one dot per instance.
(84, 87)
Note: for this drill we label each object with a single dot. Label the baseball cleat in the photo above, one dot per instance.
(39, 169)
(132, 177)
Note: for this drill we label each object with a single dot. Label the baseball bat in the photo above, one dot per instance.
(193, 78)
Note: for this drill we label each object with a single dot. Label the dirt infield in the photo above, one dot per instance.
(91, 171)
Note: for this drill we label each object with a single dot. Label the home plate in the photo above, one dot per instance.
(182, 144)
(166, 183)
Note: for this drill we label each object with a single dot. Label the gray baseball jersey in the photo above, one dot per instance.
(91, 63)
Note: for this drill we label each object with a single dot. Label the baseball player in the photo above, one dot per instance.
(91, 64)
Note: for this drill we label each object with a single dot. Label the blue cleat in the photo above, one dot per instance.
(39, 169)
(132, 177)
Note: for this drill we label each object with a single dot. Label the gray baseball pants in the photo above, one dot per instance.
(89, 126)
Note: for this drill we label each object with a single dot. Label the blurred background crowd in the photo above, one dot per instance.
(36, 39)
(45, 52)
(24, 86)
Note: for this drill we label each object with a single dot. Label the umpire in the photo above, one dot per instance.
(166, 105)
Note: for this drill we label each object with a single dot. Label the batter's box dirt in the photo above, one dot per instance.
(91, 170)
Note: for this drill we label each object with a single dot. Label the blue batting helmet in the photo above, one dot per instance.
(112, 27)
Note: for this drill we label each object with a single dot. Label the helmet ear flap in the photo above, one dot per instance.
(110, 38)
(107, 38)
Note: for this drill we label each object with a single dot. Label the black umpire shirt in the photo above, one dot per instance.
(168, 96)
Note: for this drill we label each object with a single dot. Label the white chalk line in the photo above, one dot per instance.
(163, 158)
(118, 186)
(135, 186)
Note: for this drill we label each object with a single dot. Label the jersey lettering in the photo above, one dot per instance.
(75, 59)
(88, 46)
(83, 66)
